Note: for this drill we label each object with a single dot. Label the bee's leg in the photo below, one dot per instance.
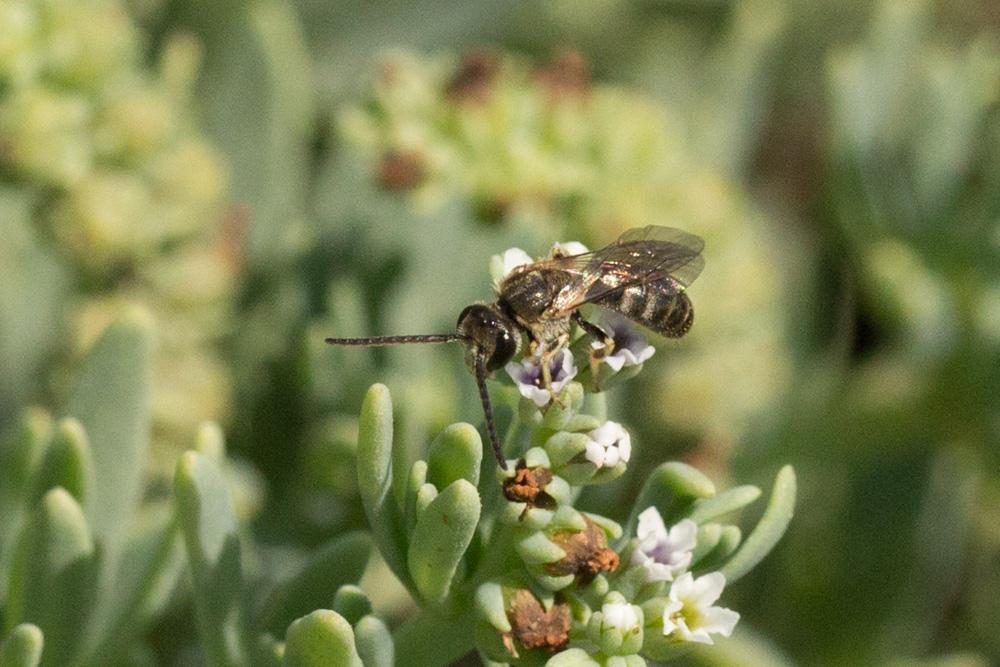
(598, 354)
(546, 360)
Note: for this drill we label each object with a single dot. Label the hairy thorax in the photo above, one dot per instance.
(526, 294)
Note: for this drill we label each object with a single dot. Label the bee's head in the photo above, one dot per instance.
(488, 332)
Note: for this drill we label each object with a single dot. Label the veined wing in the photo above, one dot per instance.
(639, 256)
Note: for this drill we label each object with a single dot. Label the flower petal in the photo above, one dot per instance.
(651, 525)
(707, 588)
(595, 453)
(684, 535)
(720, 620)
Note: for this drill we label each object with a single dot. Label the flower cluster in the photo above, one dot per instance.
(551, 583)
(583, 590)
(129, 195)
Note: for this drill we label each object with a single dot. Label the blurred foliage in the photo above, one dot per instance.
(223, 166)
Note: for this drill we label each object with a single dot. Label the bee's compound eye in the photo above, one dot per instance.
(505, 347)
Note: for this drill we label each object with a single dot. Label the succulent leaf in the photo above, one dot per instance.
(440, 538)
(321, 639)
(342, 561)
(148, 570)
(721, 504)
(23, 647)
(671, 488)
(375, 478)
(20, 456)
(67, 462)
(456, 453)
(768, 530)
(205, 514)
(352, 603)
(256, 96)
(374, 642)
(112, 401)
(53, 579)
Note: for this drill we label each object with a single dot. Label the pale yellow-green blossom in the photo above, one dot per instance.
(130, 194)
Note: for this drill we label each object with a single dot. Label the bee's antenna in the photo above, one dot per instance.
(484, 396)
(378, 341)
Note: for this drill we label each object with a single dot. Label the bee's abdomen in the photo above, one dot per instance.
(657, 305)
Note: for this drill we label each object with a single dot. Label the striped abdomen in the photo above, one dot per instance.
(659, 305)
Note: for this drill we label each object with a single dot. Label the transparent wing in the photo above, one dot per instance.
(639, 256)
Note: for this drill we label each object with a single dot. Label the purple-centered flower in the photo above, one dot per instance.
(609, 443)
(631, 348)
(527, 375)
(664, 553)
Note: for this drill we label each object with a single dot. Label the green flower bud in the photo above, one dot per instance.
(618, 627)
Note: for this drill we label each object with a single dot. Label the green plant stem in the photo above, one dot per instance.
(431, 638)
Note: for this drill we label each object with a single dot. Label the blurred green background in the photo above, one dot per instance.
(257, 175)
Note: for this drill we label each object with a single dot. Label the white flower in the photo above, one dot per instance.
(631, 348)
(502, 265)
(527, 375)
(665, 554)
(690, 613)
(568, 249)
(621, 616)
(609, 444)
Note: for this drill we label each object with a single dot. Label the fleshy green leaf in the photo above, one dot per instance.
(321, 639)
(768, 530)
(256, 94)
(414, 483)
(20, 456)
(341, 561)
(708, 539)
(672, 488)
(489, 602)
(67, 462)
(375, 478)
(32, 295)
(727, 542)
(205, 515)
(53, 582)
(572, 657)
(23, 647)
(112, 401)
(721, 504)
(148, 570)
(374, 642)
(457, 453)
(440, 538)
(352, 603)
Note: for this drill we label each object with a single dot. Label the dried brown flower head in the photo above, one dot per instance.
(587, 553)
(535, 627)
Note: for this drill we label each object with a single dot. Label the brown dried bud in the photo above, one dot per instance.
(587, 553)
(473, 80)
(534, 627)
(566, 77)
(528, 486)
(401, 170)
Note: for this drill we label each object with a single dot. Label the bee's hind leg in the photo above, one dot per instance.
(597, 354)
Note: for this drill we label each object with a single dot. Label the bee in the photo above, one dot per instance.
(642, 275)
